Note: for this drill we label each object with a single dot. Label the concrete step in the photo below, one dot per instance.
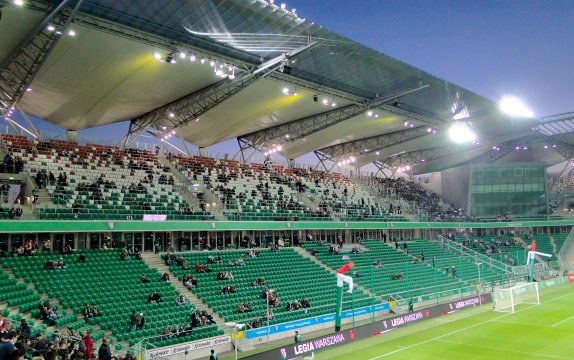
(155, 261)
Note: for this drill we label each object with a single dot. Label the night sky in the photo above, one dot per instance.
(524, 48)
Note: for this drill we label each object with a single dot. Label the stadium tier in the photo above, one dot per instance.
(394, 271)
(508, 249)
(105, 281)
(289, 275)
(97, 182)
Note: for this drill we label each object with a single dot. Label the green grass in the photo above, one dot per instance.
(544, 331)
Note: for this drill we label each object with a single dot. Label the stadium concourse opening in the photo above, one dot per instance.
(122, 235)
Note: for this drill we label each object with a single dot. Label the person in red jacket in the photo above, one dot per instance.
(342, 278)
(89, 344)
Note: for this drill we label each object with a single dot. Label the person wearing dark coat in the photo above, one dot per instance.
(25, 330)
(104, 352)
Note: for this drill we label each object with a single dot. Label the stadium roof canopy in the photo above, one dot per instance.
(293, 84)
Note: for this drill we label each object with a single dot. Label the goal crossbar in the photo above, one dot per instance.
(506, 299)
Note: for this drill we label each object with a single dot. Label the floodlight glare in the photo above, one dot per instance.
(461, 133)
(514, 107)
(18, 2)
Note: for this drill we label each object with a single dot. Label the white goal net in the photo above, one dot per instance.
(505, 300)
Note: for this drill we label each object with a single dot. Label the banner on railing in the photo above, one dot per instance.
(292, 325)
(191, 346)
(307, 347)
(571, 277)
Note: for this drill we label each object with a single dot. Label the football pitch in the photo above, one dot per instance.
(544, 331)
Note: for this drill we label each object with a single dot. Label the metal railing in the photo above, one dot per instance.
(478, 257)
(566, 246)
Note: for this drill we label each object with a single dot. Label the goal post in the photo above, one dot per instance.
(506, 299)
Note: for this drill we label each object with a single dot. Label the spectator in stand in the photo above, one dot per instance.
(124, 255)
(104, 352)
(87, 311)
(144, 279)
(89, 343)
(189, 281)
(134, 321)
(165, 278)
(82, 259)
(7, 348)
(3, 324)
(180, 300)
(154, 298)
(141, 322)
(25, 330)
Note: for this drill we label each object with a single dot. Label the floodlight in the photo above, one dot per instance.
(51, 27)
(279, 148)
(333, 104)
(182, 55)
(192, 57)
(378, 153)
(71, 33)
(369, 113)
(18, 2)
(514, 107)
(211, 63)
(461, 133)
(285, 90)
(171, 115)
(325, 102)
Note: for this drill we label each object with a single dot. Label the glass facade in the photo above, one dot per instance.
(510, 189)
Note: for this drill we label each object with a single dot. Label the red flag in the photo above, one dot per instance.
(533, 245)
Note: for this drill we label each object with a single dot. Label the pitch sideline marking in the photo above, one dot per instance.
(502, 349)
(562, 321)
(463, 329)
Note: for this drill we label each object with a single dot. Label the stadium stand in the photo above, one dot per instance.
(114, 285)
(133, 183)
(291, 276)
(250, 191)
(420, 200)
(397, 273)
(509, 249)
